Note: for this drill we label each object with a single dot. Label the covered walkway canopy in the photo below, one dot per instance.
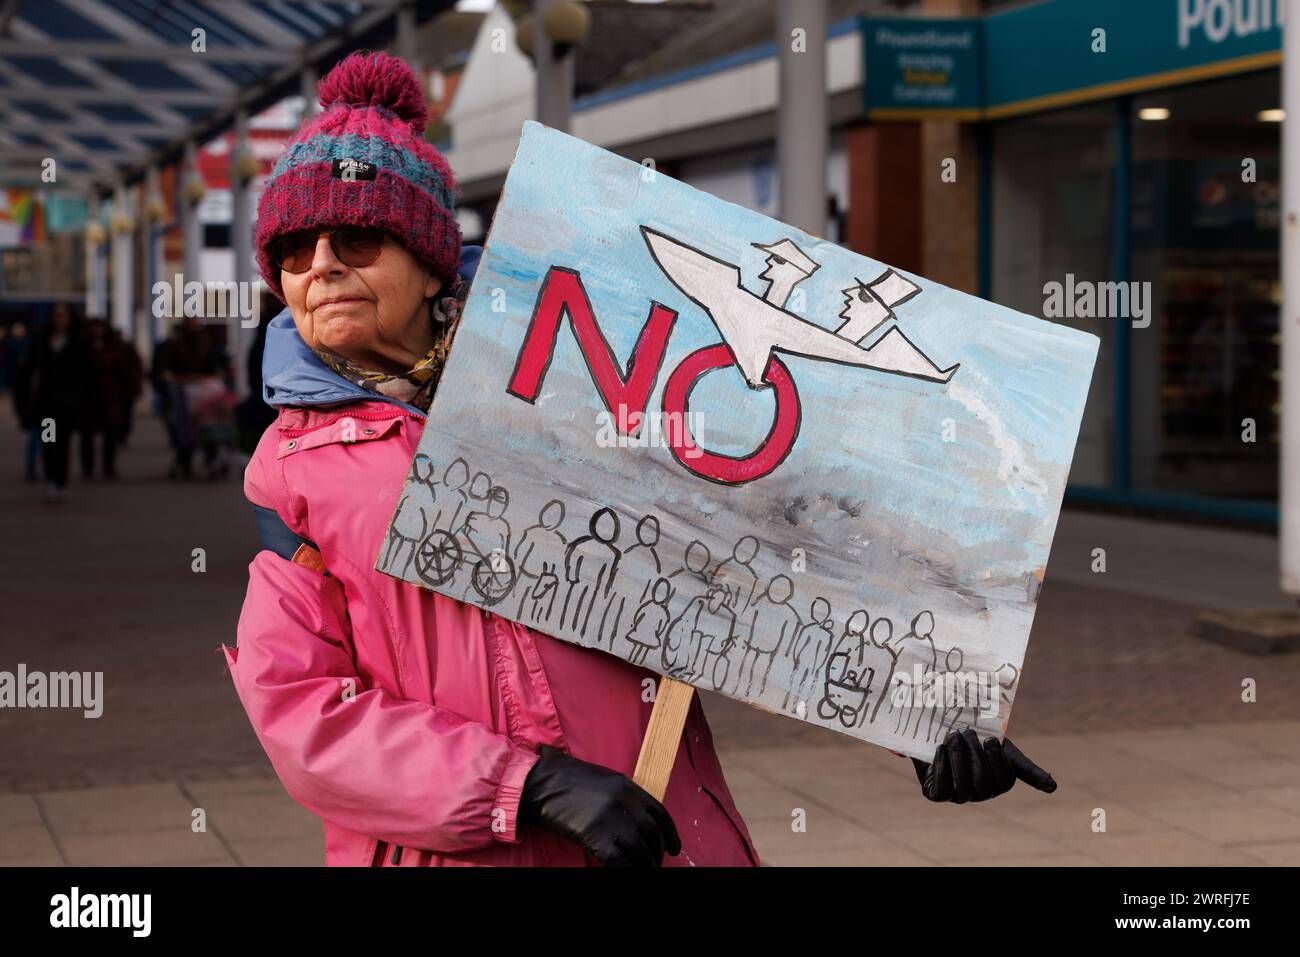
(108, 99)
(112, 88)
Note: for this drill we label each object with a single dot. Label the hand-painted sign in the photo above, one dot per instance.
(683, 433)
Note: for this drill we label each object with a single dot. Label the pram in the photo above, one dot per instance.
(845, 692)
(203, 415)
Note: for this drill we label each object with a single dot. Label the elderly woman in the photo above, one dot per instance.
(422, 730)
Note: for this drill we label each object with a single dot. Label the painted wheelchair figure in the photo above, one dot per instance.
(483, 540)
(845, 691)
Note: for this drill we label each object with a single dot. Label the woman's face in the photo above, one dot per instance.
(375, 315)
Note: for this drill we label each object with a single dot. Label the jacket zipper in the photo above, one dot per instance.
(396, 858)
(372, 417)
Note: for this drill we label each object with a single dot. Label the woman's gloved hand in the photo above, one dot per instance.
(964, 771)
(612, 818)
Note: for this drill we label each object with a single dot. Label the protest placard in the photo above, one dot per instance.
(681, 432)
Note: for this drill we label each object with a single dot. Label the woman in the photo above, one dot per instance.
(422, 730)
(59, 372)
(114, 383)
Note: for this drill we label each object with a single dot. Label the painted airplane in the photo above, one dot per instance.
(753, 327)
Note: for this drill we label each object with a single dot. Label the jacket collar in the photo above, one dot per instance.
(293, 375)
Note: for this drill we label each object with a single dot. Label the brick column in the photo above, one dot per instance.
(884, 215)
(950, 211)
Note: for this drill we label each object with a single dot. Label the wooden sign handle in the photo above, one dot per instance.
(663, 735)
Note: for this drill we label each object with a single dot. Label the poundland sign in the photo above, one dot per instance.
(926, 68)
(1217, 20)
(1059, 52)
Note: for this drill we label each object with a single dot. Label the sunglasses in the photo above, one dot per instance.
(353, 246)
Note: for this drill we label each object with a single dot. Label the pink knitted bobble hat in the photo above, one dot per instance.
(363, 161)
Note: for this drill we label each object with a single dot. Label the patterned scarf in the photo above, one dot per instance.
(417, 384)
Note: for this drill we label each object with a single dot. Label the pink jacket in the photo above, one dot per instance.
(408, 720)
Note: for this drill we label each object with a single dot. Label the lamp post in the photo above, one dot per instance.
(1289, 479)
(801, 114)
(549, 35)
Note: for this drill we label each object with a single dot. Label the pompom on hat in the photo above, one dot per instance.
(363, 161)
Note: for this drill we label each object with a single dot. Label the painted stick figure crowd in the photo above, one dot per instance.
(713, 623)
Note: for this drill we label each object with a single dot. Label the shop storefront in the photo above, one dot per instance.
(1164, 176)
(1130, 152)
(1149, 190)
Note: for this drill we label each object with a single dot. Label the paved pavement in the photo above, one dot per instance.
(1134, 717)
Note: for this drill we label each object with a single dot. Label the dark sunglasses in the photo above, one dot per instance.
(353, 246)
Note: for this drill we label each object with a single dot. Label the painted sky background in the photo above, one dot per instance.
(892, 518)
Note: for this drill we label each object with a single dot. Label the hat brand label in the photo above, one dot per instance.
(353, 170)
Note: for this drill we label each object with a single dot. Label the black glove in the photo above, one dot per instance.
(614, 819)
(964, 771)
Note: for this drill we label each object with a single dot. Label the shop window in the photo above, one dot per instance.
(1204, 229)
(1053, 181)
